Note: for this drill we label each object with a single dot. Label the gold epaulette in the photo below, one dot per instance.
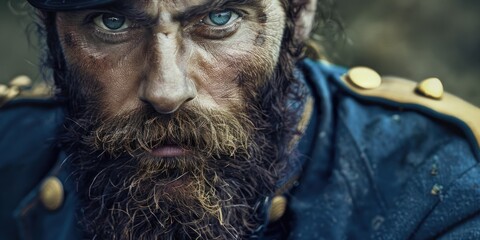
(428, 94)
(21, 87)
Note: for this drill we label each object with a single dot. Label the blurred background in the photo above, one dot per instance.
(414, 39)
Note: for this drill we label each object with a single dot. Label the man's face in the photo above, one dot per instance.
(171, 53)
(177, 121)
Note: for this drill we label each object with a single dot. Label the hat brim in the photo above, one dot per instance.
(67, 5)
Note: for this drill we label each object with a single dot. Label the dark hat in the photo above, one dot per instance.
(66, 5)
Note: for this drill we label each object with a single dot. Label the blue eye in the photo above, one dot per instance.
(220, 18)
(112, 22)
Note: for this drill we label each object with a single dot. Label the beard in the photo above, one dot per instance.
(217, 190)
(209, 193)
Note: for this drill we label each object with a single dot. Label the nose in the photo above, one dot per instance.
(166, 85)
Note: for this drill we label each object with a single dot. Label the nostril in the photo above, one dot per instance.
(144, 101)
(189, 99)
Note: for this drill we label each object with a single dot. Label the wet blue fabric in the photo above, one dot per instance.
(381, 170)
(372, 169)
(27, 153)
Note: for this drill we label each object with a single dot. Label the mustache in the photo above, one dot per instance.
(209, 132)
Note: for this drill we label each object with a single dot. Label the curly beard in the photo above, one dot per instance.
(210, 193)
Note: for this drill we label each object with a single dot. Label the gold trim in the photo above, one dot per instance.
(312, 49)
(307, 114)
(8, 93)
(403, 91)
(40, 90)
(303, 123)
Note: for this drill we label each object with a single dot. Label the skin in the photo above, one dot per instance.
(173, 57)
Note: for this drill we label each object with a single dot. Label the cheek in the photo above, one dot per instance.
(117, 71)
(226, 69)
(215, 76)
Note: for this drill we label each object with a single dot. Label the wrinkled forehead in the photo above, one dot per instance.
(151, 5)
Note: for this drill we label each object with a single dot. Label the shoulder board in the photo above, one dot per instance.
(21, 87)
(427, 96)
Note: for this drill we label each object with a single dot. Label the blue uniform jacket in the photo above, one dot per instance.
(374, 166)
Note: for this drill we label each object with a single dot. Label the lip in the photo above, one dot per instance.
(168, 151)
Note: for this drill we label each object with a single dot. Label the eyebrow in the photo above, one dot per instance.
(142, 17)
(129, 11)
(213, 5)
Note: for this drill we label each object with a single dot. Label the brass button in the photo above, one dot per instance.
(278, 208)
(365, 78)
(51, 193)
(431, 87)
(21, 81)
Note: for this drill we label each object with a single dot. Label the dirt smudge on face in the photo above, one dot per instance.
(260, 39)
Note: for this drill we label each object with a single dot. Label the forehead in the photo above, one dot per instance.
(153, 7)
(155, 4)
(156, 7)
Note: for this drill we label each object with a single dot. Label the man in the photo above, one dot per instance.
(192, 119)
